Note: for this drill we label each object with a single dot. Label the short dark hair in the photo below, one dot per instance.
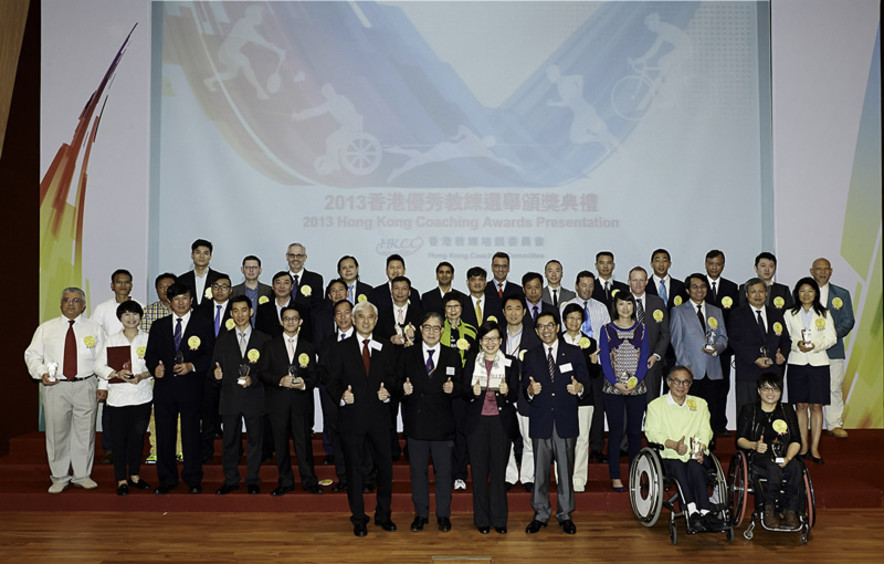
(121, 271)
(280, 274)
(604, 254)
(332, 282)
(513, 297)
(487, 327)
(571, 308)
(550, 261)
(636, 269)
(501, 254)
(292, 307)
(477, 271)
(251, 257)
(222, 276)
(201, 243)
(401, 279)
(395, 256)
(178, 289)
(241, 298)
(584, 274)
(766, 255)
(339, 302)
(753, 281)
(663, 251)
(541, 316)
(445, 263)
(345, 257)
(698, 276)
(129, 306)
(433, 315)
(678, 368)
(452, 297)
(529, 276)
(714, 253)
(769, 379)
(164, 276)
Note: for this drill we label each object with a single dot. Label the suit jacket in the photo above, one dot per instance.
(207, 310)
(234, 398)
(490, 308)
(429, 415)
(381, 297)
(506, 404)
(275, 366)
(263, 290)
(161, 347)
(676, 288)
(313, 280)
(594, 371)
(528, 321)
(267, 319)
(822, 338)
(774, 291)
(554, 405)
(495, 301)
(367, 413)
(598, 291)
(363, 289)
(432, 300)
(387, 323)
(658, 332)
(688, 339)
(746, 339)
(725, 289)
(323, 322)
(189, 279)
(564, 295)
(842, 314)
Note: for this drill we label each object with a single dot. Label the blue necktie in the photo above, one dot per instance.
(587, 324)
(177, 335)
(430, 365)
(217, 319)
(662, 292)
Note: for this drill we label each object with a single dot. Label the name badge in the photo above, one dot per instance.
(449, 371)
(507, 362)
(374, 345)
(565, 367)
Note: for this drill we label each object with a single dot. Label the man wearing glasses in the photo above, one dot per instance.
(429, 383)
(251, 287)
(217, 311)
(680, 422)
(307, 286)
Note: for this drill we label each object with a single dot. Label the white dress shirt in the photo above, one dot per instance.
(123, 394)
(47, 346)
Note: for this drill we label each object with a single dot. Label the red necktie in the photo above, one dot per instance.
(366, 358)
(500, 289)
(70, 353)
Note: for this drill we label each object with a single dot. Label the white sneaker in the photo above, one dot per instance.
(579, 489)
(57, 487)
(86, 483)
(460, 485)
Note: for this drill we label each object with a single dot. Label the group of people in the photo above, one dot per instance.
(501, 380)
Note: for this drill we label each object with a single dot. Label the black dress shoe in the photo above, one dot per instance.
(501, 530)
(484, 530)
(195, 489)
(815, 459)
(508, 486)
(139, 485)
(529, 486)
(569, 527)
(123, 489)
(697, 523)
(253, 489)
(108, 457)
(281, 491)
(367, 488)
(223, 490)
(386, 525)
(624, 453)
(713, 522)
(598, 457)
(444, 524)
(534, 526)
(163, 489)
(339, 487)
(418, 524)
(314, 489)
(359, 529)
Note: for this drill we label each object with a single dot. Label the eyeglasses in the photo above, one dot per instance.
(431, 328)
(544, 326)
(71, 301)
(677, 382)
(288, 319)
(220, 286)
(296, 255)
(490, 340)
(769, 389)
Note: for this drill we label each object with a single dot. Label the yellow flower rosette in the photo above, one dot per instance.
(779, 302)
(778, 328)
(712, 322)
(303, 360)
(361, 298)
(263, 300)
(522, 355)
(584, 343)
(306, 291)
(229, 324)
(727, 302)
(140, 351)
(820, 323)
(208, 293)
(463, 344)
(89, 341)
(677, 301)
(632, 382)
(780, 426)
(614, 293)
(658, 315)
(837, 303)
(491, 318)
(692, 404)
(253, 355)
(194, 343)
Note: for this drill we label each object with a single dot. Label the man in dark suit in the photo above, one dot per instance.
(778, 295)
(725, 295)
(661, 284)
(348, 271)
(267, 318)
(554, 293)
(362, 371)
(323, 315)
(478, 308)
(382, 295)
(257, 291)
(499, 286)
(432, 300)
(217, 311)
(289, 375)
(307, 287)
(237, 376)
(554, 376)
(651, 311)
(760, 341)
(430, 380)
(200, 279)
(532, 284)
(605, 285)
(179, 355)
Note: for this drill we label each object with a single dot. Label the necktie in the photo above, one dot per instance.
(500, 289)
(69, 367)
(366, 358)
(555, 298)
(552, 365)
(701, 318)
(479, 311)
(662, 291)
(294, 286)
(608, 290)
(400, 317)
(430, 365)
(639, 311)
(242, 344)
(350, 291)
(217, 319)
(177, 335)
(587, 324)
(343, 336)
(534, 315)
(760, 321)
(291, 349)
(714, 292)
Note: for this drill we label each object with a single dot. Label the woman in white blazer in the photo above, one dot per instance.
(812, 331)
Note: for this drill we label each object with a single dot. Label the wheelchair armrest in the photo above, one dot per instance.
(656, 446)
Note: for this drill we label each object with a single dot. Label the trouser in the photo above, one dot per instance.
(69, 410)
(634, 405)
(419, 458)
(210, 424)
(525, 473)
(546, 451)
(789, 478)
(489, 446)
(128, 423)
(232, 447)
(378, 441)
(691, 475)
(167, 408)
(581, 448)
(287, 422)
(835, 409)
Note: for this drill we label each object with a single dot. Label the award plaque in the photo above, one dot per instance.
(243, 372)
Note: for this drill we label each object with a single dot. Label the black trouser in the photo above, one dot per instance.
(419, 458)
(232, 447)
(597, 425)
(461, 451)
(287, 422)
(129, 423)
(710, 390)
(211, 420)
(489, 454)
(167, 406)
(378, 441)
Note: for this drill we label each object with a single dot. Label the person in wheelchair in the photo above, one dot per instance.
(680, 423)
(768, 431)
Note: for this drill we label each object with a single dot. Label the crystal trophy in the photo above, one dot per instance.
(52, 370)
(766, 356)
(243, 373)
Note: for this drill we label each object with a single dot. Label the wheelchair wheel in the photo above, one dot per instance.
(810, 500)
(738, 487)
(719, 494)
(673, 531)
(646, 487)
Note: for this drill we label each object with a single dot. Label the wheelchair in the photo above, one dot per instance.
(741, 480)
(650, 490)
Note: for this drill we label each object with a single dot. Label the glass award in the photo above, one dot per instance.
(696, 448)
(243, 373)
(293, 372)
(805, 335)
(711, 337)
(766, 356)
(52, 370)
(778, 448)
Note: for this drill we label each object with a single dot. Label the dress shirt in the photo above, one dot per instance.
(153, 312)
(291, 345)
(598, 313)
(105, 314)
(279, 308)
(341, 335)
(513, 341)
(427, 350)
(666, 282)
(184, 321)
(763, 316)
(200, 283)
(702, 309)
(538, 305)
(242, 338)
(123, 394)
(824, 294)
(47, 346)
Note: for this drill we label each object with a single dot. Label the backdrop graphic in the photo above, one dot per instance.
(447, 130)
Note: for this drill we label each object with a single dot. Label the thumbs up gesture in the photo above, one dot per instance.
(574, 387)
(504, 389)
(760, 445)
(780, 358)
(477, 388)
(534, 388)
(407, 387)
(383, 393)
(448, 386)
(348, 396)
(680, 446)
(160, 370)
(218, 373)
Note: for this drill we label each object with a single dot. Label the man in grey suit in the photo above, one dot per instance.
(250, 286)
(699, 336)
(554, 293)
(651, 310)
(837, 301)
